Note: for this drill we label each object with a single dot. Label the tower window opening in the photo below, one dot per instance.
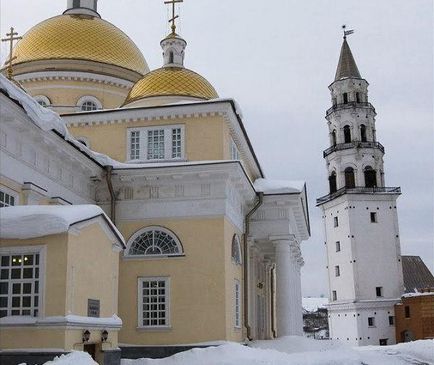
(347, 134)
(363, 133)
(334, 137)
(391, 320)
(76, 3)
(171, 57)
(371, 321)
(358, 99)
(350, 181)
(336, 221)
(370, 177)
(335, 101)
(345, 98)
(334, 295)
(374, 220)
(332, 183)
(338, 246)
(337, 271)
(379, 291)
(407, 311)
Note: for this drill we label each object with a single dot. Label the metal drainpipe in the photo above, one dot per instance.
(108, 176)
(246, 265)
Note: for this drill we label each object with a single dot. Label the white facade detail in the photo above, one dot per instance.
(360, 218)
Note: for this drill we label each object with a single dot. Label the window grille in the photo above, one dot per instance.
(19, 284)
(155, 242)
(153, 302)
(6, 200)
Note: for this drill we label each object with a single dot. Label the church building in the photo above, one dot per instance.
(360, 217)
(137, 202)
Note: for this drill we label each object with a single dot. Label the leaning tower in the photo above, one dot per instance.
(360, 217)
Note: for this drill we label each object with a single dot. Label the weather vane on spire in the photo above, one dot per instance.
(347, 32)
(174, 16)
(11, 38)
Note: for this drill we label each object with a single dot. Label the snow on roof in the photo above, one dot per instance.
(268, 186)
(417, 294)
(313, 304)
(48, 120)
(31, 221)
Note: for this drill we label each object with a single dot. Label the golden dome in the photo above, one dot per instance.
(172, 81)
(80, 37)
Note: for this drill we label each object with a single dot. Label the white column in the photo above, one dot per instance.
(287, 306)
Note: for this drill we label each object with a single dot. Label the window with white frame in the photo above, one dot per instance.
(236, 250)
(153, 295)
(156, 143)
(20, 282)
(154, 241)
(235, 152)
(6, 200)
(237, 304)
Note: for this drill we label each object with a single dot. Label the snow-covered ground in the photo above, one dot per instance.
(285, 351)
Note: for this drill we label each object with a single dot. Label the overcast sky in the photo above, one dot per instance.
(277, 58)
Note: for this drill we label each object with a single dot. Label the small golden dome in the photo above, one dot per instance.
(80, 37)
(172, 81)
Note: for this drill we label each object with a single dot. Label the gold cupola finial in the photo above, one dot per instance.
(174, 16)
(11, 37)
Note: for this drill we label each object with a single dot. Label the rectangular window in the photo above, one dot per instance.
(391, 320)
(20, 283)
(176, 143)
(155, 143)
(237, 305)
(337, 271)
(6, 200)
(371, 321)
(345, 95)
(336, 221)
(373, 217)
(379, 291)
(153, 294)
(334, 295)
(135, 145)
(407, 311)
(338, 246)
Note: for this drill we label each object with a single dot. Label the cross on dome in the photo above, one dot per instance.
(174, 16)
(11, 37)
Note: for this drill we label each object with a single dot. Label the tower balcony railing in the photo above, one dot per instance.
(358, 190)
(354, 144)
(349, 105)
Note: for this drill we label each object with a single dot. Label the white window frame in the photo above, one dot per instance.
(127, 255)
(237, 303)
(140, 303)
(89, 98)
(10, 192)
(143, 143)
(22, 250)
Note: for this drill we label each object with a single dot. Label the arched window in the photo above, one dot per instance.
(332, 182)
(370, 177)
(350, 181)
(236, 250)
(345, 98)
(154, 241)
(88, 106)
(347, 134)
(88, 103)
(334, 137)
(358, 99)
(363, 133)
(171, 57)
(43, 100)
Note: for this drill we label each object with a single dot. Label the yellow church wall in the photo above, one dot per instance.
(92, 271)
(204, 137)
(67, 93)
(232, 272)
(198, 287)
(27, 337)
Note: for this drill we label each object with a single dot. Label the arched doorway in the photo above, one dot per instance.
(350, 181)
(332, 182)
(347, 134)
(370, 177)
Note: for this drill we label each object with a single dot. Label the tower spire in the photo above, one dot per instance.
(174, 16)
(347, 66)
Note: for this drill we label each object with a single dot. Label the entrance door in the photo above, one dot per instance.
(90, 349)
